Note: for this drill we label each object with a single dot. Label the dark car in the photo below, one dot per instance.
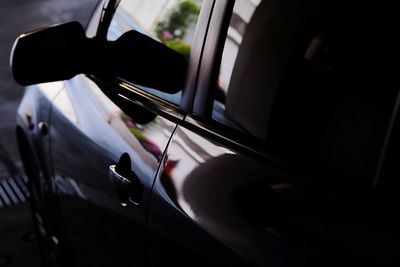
(214, 133)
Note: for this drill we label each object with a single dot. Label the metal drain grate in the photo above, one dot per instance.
(13, 191)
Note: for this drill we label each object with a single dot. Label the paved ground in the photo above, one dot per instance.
(17, 244)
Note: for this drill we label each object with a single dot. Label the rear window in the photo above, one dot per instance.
(316, 83)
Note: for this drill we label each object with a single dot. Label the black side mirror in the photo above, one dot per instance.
(140, 59)
(48, 55)
(63, 51)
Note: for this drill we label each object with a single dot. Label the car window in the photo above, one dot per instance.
(171, 22)
(309, 84)
(91, 29)
(242, 14)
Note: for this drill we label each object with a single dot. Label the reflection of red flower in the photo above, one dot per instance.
(130, 123)
(167, 35)
(169, 166)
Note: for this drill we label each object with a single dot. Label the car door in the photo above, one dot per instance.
(89, 136)
(108, 136)
(275, 165)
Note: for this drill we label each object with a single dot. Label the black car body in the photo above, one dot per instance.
(280, 150)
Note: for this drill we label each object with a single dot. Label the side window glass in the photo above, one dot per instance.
(171, 22)
(308, 85)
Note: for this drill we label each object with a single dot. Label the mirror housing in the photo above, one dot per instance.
(63, 51)
(49, 54)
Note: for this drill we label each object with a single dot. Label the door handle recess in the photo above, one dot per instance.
(128, 186)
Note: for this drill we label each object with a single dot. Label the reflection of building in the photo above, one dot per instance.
(242, 13)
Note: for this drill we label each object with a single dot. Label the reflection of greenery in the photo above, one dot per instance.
(139, 133)
(179, 46)
(179, 19)
(172, 30)
(132, 126)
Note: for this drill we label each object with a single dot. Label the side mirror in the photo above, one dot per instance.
(63, 51)
(48, 55)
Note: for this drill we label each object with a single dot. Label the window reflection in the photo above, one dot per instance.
(149, 138)
(171, 22)
(139, 131)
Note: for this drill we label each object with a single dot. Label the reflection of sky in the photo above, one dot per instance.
(147, 13)
(191, 151)
(122, 23)
(64, 105)
(141, 16)
(50, 90)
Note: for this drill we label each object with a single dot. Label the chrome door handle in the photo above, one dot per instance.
(122, 185)
(127, 184)
(117, 178)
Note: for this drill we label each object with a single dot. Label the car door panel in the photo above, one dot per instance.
(223, 206)
(193, 204)
(90, 133)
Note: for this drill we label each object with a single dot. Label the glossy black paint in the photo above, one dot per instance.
(238, 211)
(87, 196)
(201, 194)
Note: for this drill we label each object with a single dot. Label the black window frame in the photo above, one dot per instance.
(204, 93)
